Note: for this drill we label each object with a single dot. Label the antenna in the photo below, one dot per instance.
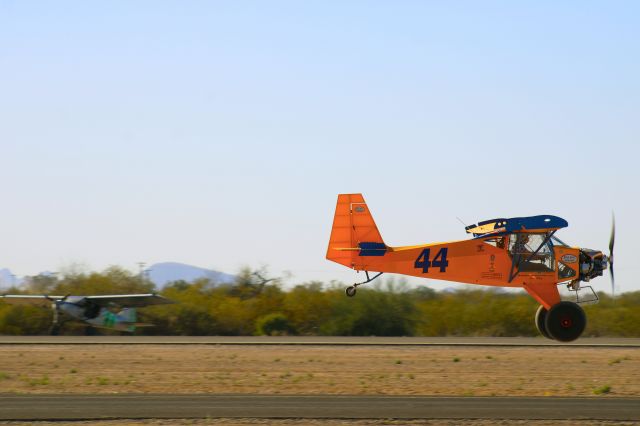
(460, 220)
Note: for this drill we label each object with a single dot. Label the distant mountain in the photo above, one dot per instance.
(7, 279)
(162, 273)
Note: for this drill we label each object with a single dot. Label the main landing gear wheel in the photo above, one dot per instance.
(565, 321)
(541, 315)
(351, 291)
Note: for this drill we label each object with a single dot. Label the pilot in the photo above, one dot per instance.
(523, 249)
(521, 244)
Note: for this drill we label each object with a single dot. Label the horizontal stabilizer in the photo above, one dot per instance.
(372, 249)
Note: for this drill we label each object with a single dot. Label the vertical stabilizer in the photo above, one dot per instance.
(354, 233)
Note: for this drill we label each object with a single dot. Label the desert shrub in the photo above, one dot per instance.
(274, 324)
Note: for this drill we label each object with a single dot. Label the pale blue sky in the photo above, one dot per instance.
(220, 133)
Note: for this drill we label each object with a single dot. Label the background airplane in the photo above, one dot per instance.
(114, 312)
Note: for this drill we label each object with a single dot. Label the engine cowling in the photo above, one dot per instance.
(592, 264)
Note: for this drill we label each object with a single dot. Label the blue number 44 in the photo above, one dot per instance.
(439, 261)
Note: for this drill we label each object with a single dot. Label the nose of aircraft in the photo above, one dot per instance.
(594, 262)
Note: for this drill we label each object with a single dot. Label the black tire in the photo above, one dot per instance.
(350, 291)
(565, 321)
(541, 315)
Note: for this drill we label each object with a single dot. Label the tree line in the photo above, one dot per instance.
(257, 305)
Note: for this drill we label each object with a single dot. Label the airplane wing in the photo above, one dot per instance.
(129, 300)
(28, 299)
(517, 224)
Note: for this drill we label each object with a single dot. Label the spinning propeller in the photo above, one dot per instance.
(612, 241)
(55, 307)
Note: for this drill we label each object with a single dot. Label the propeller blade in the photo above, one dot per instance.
(613, 280)
(612, 241)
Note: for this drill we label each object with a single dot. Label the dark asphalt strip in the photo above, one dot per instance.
(600, 342)
(138, 406)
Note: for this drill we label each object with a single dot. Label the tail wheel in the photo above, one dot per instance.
(541, 315)
(565, 321)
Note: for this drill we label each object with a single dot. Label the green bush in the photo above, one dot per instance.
(275, 324)
(256, 305)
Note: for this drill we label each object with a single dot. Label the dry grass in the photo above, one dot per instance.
(323, 422)
(462, 371)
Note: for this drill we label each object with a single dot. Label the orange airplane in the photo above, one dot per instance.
(517, 252)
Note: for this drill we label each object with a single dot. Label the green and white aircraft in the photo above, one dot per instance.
(114, 312)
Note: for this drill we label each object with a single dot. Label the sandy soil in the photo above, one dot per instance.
(300, 422)
(461, 371)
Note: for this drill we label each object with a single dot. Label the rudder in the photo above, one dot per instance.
(354, 232)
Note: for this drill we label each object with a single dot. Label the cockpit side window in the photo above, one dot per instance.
(522, 247)
(565, 272)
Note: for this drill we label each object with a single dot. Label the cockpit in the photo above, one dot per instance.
(532, 252)
(528, 241)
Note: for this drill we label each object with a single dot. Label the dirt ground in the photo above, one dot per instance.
(372, 370)
(308, 422)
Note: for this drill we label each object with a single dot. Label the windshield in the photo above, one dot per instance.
(532, 252)
(559, 241)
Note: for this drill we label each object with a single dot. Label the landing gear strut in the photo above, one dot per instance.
(54, 330)
(351, 290)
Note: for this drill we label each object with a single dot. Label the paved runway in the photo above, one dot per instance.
(317, 340)
(132, 406)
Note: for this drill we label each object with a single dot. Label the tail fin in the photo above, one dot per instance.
(354, 233)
